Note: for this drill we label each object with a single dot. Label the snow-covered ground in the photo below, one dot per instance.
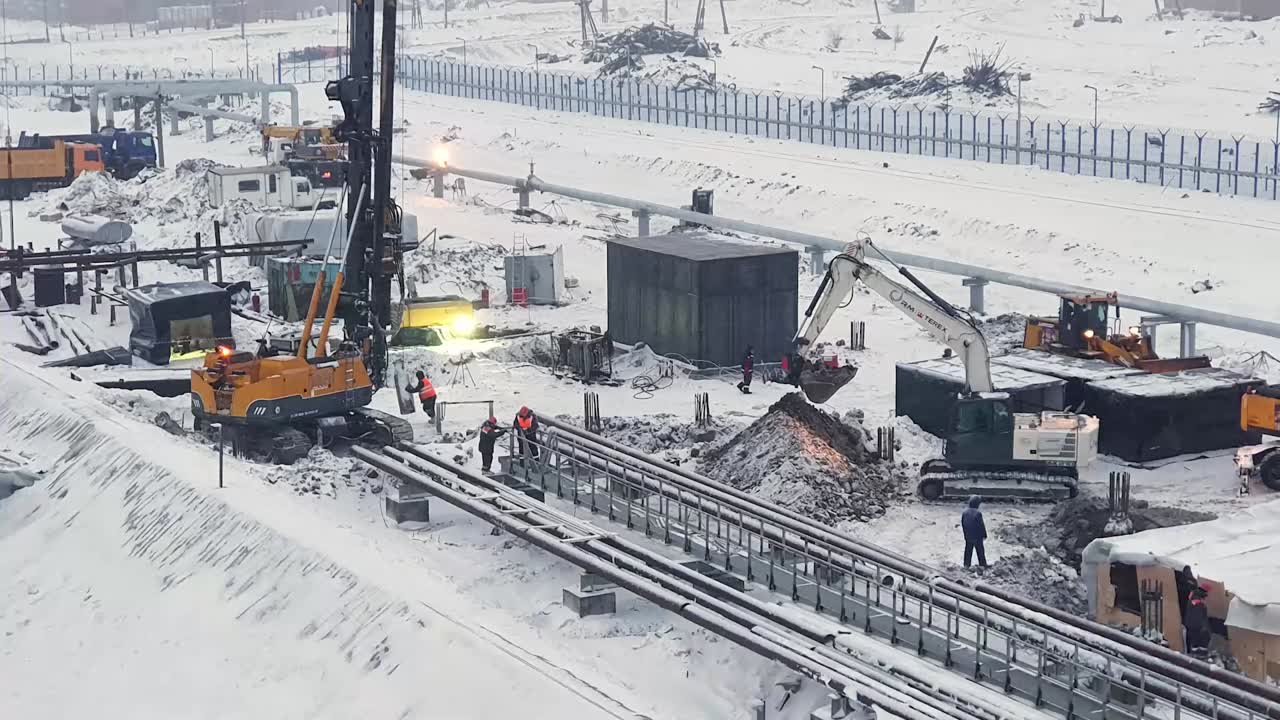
(366, 619)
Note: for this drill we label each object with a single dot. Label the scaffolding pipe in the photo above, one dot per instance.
(1182, 312)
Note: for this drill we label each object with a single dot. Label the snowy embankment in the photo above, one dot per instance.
(158, 598)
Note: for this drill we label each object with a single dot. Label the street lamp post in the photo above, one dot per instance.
(1095, 103)
(822, 81)
(211, 70)
(464, 49)
(535, 56)
(1017, 153)
(715, 72)
(71, 61)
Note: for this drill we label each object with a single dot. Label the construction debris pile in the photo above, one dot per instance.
(809, 461)
(986, 75)
(623, 52)
(1073, 524)
(1004, 332)
(659, 433)
(1039, 576)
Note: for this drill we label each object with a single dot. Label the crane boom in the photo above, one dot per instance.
(932, 313)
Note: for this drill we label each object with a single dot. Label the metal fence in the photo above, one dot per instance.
(1175, 159)
(309, 70)
(55, 75)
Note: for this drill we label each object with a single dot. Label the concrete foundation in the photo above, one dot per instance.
(976, 300)
(588, 603)
(408, 508)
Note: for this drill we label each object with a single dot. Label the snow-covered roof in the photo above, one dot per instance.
(1004, 378)
(1186, 382)
(701, 246)
(1063, 366)
(259, 170)
(1237, 550)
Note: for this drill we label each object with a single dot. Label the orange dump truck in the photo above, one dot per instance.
(23, 170)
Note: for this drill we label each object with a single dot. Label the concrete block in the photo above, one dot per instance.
(587, 603)
(590, 582)
(412, 509)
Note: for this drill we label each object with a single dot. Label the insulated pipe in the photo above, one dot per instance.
(893, 694)
(212, 112)
(182, 88)
(1182, 312)
(653, 593)
(1200, 675)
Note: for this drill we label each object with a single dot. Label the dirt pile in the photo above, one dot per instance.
(1039, 576)
(804, 459)
(1075, 523)
(1004, 333)
(324, 474)
(658, 433)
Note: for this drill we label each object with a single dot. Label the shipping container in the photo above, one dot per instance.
(703, 297)
(1077, 372)
(926, 391)
(1155, 416)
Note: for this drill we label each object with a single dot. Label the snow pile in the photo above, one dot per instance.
(176, 196)
(460, 270)
(324, 474)
(804, 459)
(1039, 576)
(657, 433)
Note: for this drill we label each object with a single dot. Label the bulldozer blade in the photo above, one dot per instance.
(820, 384)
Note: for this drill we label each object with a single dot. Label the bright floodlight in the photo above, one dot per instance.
(463, 325)
(440, 155)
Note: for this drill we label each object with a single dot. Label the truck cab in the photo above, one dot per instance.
(266, 186)
(83, 158)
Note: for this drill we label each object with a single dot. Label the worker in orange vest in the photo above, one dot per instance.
(526, 427)
(426, 392)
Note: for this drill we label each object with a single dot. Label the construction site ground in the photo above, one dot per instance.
(107, 553)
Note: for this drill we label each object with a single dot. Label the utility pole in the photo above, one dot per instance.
(445, 3)
(1018, 134)
(159, 130)
(46, 21)
(243, 38)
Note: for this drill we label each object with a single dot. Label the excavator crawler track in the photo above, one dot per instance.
(939, 481)
(387, 429)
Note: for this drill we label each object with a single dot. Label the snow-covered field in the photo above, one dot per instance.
(135, 569)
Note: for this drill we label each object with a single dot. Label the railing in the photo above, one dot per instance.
(1047, 671)
(1190, 161)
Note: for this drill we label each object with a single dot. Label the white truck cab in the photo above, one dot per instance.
(266, 186)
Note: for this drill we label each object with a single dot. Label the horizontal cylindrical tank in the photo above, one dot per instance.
(96, 230)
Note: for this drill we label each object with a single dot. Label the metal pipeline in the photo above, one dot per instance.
(1157, 659)
(658, 595)
(1174, 310)
(893, 694)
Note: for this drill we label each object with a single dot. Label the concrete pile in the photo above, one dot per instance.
(809, 461)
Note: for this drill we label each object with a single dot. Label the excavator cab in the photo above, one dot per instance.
(981, 431)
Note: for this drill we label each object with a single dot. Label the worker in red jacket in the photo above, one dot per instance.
(526, 427)
(426, 392)
(748, 368)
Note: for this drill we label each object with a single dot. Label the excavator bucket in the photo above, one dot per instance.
(820, 383)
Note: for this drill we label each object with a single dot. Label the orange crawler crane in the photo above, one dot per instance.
(287, 403)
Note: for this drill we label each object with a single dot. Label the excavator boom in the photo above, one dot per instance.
(938, 318)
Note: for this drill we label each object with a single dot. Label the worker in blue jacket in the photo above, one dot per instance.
(975, 532)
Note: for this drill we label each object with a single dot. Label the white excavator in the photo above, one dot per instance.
(990, 450)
